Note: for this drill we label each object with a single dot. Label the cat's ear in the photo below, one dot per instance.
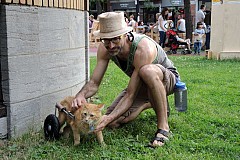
(101, 106)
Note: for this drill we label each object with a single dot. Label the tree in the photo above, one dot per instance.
(188, 18)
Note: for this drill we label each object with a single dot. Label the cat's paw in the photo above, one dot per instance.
(76, 143)
(103, 144)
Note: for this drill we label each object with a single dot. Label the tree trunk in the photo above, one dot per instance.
(188, 19)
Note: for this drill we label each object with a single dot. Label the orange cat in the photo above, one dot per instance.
(86, 119)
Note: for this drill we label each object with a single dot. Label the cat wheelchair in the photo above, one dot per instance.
(52, 125)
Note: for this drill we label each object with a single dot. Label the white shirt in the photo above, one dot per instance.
(200, 16)
(200, 33)
(163, 23)
(132, 23)
(181, 26)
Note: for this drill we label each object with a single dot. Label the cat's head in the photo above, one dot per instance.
(91, 113)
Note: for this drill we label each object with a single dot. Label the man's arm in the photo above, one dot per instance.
(91, 87)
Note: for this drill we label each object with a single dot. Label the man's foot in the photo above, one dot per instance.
(161, 136)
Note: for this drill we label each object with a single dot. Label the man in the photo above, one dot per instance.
(200, 15)
(153, 75)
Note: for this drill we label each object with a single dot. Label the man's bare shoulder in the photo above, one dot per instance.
(146, 51)
(146, 46)
(102, 52)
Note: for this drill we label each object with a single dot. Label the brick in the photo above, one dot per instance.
(68, 4)
(8, 1)
(77, 4)
(45, 3)
(81, 5)
(15, 1)
(56, 3)
(60, 4)
(50, 3)
(64, 3)
(23, 1)
(38, 2)
(29, 2)
(72, 3)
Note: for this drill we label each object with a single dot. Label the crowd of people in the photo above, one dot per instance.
(164, 23)
(203, 28)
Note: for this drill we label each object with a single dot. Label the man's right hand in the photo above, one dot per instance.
(78, 101)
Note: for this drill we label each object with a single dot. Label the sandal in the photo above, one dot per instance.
(160, 139)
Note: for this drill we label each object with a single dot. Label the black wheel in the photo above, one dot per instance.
(51, 127)
(174, 51)
(189, 51)
(169, 52)
(183, 52)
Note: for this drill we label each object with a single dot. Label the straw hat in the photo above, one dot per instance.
(112, 24)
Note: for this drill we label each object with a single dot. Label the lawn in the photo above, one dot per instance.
(210, 129)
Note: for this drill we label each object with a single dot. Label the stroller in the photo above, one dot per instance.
(173, 44)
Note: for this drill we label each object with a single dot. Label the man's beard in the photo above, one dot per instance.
(114, 51)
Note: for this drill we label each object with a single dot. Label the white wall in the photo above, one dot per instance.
(225, 42)
(42, 61)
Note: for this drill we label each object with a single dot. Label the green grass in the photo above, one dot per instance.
(208, 130)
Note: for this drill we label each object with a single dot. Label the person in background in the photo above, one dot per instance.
(90, 22)
(126, 19)
(163, 26)
(187, 41)
(140, 27)
(207, 21)
(200, 15)
(132, 22)
(198, 34)
(181, 28)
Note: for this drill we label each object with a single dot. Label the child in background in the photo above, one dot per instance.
(198, 34)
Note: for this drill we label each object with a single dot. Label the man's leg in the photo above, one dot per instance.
(140, 103)
(160, 83)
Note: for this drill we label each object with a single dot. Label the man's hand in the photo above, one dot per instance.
(104, 121)
(78, 101)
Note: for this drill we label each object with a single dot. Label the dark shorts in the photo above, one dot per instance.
(169, 82)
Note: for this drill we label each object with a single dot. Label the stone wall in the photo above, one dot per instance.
(44, 58)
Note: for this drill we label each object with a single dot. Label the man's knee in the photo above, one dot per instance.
(150, 71)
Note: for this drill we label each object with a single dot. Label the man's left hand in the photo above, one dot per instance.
(104, 121)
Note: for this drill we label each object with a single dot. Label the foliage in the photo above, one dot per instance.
(208, 130)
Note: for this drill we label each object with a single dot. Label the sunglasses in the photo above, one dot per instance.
(114, 40)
